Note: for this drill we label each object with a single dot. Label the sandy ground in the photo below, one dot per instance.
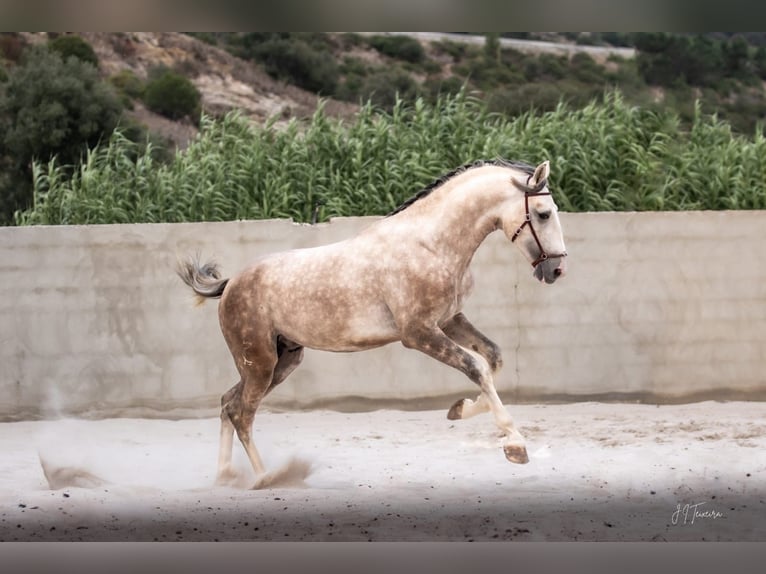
(596, 472)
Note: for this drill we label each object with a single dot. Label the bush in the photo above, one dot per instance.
(71, 46)
(403, 48)
(55, 107)
(15, 190)
(550, 67)
(437, 87)
(456, 50)
(172, 95)
(129, 86)
(48, 108)
(541, 97)
(296, 62)
(586, 70)
(384, 87)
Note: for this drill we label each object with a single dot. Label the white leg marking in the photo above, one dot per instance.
(255, 458)
(489, 397)
(473, 408)
(225, 471)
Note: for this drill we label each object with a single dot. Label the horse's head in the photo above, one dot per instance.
(534, 222)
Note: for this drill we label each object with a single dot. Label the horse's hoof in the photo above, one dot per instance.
(516, 453)
(456, 411)
(227, 477)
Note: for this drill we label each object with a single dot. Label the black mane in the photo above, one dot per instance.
(520, 165)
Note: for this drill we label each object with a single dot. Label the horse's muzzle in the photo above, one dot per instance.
(551, 269)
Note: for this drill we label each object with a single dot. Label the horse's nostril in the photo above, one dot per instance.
(558, 271)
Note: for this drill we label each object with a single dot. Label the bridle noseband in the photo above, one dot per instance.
(530, 192)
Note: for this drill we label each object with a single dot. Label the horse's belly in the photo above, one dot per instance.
(327, 298)
(341, 329)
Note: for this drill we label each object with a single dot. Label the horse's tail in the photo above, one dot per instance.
(204, 279)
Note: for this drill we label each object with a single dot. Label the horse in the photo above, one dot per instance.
(403, 278)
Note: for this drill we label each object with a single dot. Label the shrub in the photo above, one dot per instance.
(48, 108)
(296, 62)
(552, 67)
(759, 61)
(586, 70)
(54, 107)
(72, 46)
(456, 50)
(384, 87)
(437, 87)
(541, 97)
(128, 85)
(403, 48)
(354, 66)
(172, 95)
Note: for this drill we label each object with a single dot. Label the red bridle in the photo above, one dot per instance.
(530, 192)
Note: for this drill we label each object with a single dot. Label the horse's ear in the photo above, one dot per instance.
(542, 172)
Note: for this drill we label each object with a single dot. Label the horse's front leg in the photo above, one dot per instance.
(435, 343)
(460, 330)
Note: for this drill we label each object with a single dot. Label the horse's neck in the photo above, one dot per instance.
(455, 222)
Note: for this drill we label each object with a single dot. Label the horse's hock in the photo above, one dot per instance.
(655, 307)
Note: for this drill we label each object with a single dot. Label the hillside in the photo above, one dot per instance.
(228, 82)
(268, 75)
(225, 82)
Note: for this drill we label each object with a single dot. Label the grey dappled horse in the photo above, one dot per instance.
(404, 278)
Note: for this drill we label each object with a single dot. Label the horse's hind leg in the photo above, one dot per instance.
(289, 357)
(256, 362)
(225, 472)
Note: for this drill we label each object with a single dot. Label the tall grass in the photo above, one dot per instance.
(607, 156)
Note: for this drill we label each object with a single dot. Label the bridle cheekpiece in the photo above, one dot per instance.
(531, 192)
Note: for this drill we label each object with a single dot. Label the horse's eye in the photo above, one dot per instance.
(544, 214)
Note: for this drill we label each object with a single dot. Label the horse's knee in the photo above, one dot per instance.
(477, 369)
(229, 395)
(241, 419)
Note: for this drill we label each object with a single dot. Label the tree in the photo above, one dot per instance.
(737, 58)
(759, 62)
(492, 49)
(653, 58)
(666, 59)
(703, 61)
(49, 107)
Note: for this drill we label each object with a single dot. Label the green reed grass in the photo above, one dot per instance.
(606, 156)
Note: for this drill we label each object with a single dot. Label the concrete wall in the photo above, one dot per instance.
(656, 306)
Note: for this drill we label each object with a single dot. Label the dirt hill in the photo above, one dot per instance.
(224, 81)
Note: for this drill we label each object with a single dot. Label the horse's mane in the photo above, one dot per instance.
(520, 165)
